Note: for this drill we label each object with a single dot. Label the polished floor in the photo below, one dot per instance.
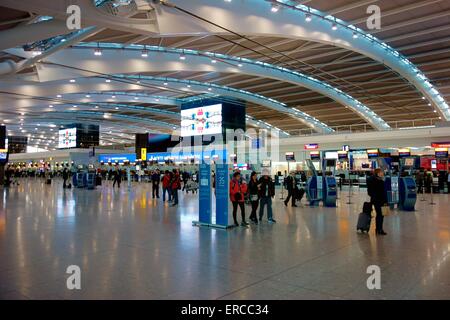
(129, 246)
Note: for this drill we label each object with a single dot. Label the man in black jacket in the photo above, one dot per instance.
(290, 187)
(378, 197)
(266, 193)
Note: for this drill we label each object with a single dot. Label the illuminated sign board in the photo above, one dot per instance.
(440, 144)
(311, 146)
(290, 156)
(205, 120)
(441, 153)
(404, 153)
(143, 154)
(67, 138)
(372, 153)
(314, 155)
(342, 155)
(120, 158)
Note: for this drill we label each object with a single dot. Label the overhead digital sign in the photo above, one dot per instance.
(441, 153)
(290, 156)
(314, 155)
(402, 153)
(205, 120)
(372, 153)
(67, 138)
(311, 146)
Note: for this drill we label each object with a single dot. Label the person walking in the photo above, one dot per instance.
(266, 193)
(238, 189)
(290, 187)
(156, 178)
(65, 176)
(419, 181)
(117, 178)
(166, 186)
(254, 196)
(175, 185)
(377, 192)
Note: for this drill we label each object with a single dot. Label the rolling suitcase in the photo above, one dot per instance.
(364, 220)
(48, 181)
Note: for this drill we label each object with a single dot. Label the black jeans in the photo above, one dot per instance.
(235, 206)
(155, 190)
(379, 217)
(290, 196)
(64, 183)
(118, 183)
(254, 208)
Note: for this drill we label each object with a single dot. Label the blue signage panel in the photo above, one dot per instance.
(117, 158)
(204, 197)
(222, 194)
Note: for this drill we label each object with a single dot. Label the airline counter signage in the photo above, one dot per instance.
(311, 146)
(440, 144)
(441, 153)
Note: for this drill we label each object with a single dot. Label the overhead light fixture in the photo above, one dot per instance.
(113, 97)
(108, 80)
(275, 7)
(213, 61)
(50, 106)
(165, 83)
(334, 27)
(88, 96)
(97, 52)
(355, 35)
(117, 108)
(188, 86)
(72, 81)
(308, 17)
(58, 96)
(423, 98)
(136, 98)
(182, 57)
(144, 53)
(240, 65)
(209, 89)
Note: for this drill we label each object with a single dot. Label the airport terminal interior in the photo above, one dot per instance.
(224, 149)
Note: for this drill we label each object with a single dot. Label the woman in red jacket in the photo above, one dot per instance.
(176, 185)
(238, 189)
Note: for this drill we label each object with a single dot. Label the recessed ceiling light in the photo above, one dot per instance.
(58, 96)
(98, 52)
(88, 96)
(308, 17)
(72, 80)
(334, 27)
(108, 80)
(182, 57)
(275, 7)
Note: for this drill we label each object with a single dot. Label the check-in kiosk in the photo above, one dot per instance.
(391, 186)
(329, 191)
(407, 194)
(313, 186)
(90, 180)
(81, 180)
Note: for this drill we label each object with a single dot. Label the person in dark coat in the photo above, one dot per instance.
(65, 176)
(156, 179)
(254, 196)
(266, 193)
(290, 187)
(117, 178)
(378, 197)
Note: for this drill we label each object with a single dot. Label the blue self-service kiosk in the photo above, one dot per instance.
(81, 180)
(313, 186)
(90, 180)
(329, 191)
(391, 186)
(407, 194)
(314, 190)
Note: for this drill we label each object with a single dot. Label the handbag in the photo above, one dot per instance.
(385, 210)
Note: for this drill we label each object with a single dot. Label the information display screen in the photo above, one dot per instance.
(205, 120)
(290, 156)
(3, 155)
(409, 162)
(67, 138)
(314, 155)
(331, 155)
(373, 153)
